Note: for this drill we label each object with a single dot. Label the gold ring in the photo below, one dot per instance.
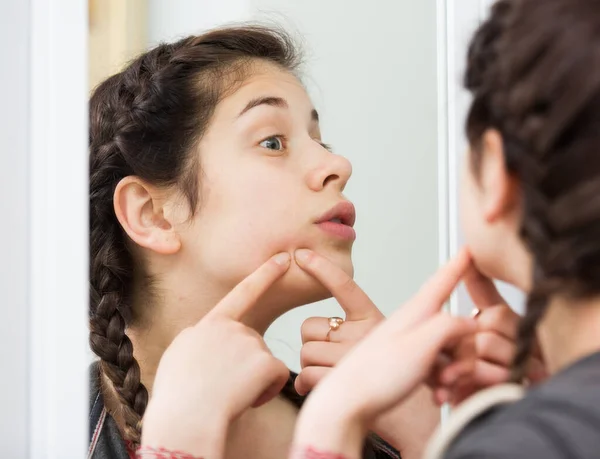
(334, 324)
(475, 313)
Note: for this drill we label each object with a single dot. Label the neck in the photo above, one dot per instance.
(169, 311)
(569, 332)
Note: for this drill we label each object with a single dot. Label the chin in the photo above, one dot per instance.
(488, 266)
(298, 288)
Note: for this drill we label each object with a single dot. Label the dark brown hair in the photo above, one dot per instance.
(146, 121)
(534, 73)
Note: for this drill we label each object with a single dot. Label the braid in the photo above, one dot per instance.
(111, 263)
(110, 303)
(146, 122)
(530, 77)
(128, 100)
(536, 306)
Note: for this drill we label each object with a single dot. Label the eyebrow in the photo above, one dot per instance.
(272, 101)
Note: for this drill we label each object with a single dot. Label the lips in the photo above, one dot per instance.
(339, 221)
(342, 213)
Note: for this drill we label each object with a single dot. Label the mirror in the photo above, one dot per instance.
(372, 74)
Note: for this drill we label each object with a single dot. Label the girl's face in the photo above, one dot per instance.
(490, 208)
(267, 184)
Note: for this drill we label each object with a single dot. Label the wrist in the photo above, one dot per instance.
(164, 428)
(330, 425)
(149, 452)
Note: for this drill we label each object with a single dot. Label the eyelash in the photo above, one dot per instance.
(327, 146)
(284, 142)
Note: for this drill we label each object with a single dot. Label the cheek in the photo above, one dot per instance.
(470, 217)
(466, 211)
(244, 222)
(479, 236)
(250, 218)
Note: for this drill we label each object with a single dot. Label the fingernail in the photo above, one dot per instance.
(282, 259)
(302, 255)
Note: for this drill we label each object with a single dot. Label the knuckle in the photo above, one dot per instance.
(233, 328)
(264, 360)
(497, 315)
(504, 313)
(308, 325)
(305, 354)
(484, 343)
(309, 378)
(349, 285)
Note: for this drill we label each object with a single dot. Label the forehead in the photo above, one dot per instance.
(265, 80)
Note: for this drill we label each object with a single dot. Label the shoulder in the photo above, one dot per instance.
(490, 438)
(105, 441)
(558, 420)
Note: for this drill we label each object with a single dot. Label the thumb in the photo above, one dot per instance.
(274, 380)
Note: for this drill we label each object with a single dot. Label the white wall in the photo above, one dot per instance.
(15, 29)
(171, 19)
(372, 74)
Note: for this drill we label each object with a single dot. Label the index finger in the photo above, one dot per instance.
(482, 289)
(435, 292)
(244, 295)
(354, 301)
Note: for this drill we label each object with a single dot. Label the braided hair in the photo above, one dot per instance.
(145, 121)
(534, 72)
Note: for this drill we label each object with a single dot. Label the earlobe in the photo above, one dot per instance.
(141, 214)
(499, 186)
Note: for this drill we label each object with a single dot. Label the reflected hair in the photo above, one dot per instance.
(533, 70)
(146, 121)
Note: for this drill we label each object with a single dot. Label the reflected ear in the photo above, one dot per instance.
(499, 187)
(140, 211)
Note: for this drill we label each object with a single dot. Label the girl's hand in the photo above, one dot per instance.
(385, 367)
(213, 372)
(322, 349)
(407, 427)
(493, 346)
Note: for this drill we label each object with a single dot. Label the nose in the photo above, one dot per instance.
(333, 170)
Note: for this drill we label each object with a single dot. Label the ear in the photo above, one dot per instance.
(499, 187)
(140, 211)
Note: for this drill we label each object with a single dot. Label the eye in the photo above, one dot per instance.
(273, 143)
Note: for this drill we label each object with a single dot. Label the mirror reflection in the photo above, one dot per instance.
(223, 135)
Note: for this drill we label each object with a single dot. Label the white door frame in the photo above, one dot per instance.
(44, 180)
(457, 19)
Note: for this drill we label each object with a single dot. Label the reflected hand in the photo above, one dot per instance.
(213, 371)
(322, 349)
(385, 367)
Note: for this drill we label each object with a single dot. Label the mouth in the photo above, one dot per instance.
(339, 221)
